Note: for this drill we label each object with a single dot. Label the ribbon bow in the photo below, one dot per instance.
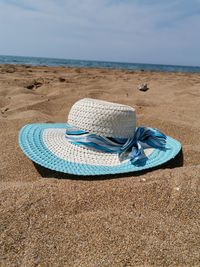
(143, 137)
(148, 137)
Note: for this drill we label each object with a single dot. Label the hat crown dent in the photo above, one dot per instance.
(103, 118)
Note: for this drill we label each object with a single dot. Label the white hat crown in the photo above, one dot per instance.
(103, 118)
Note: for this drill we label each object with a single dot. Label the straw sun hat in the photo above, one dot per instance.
(99, 138)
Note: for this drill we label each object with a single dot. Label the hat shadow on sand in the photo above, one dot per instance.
(47, 173)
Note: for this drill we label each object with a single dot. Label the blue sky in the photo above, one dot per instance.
(143, 31)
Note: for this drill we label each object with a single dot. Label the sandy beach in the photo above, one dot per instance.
(145, 219)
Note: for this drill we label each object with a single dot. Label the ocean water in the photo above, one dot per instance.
(40, 61)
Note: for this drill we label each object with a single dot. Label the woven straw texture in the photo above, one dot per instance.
(34, 140)
(103, 118)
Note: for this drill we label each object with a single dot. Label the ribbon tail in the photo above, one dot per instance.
(137, 153)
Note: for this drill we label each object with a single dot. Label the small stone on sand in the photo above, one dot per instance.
(143, 87)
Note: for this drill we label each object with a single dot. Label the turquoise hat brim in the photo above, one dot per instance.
(31, 143)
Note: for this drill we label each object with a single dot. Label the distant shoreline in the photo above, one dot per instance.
(10, 68)
(50, 62)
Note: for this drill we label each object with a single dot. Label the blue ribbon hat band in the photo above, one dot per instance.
(142, 138)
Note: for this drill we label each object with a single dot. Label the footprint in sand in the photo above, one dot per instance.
(35, 84)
